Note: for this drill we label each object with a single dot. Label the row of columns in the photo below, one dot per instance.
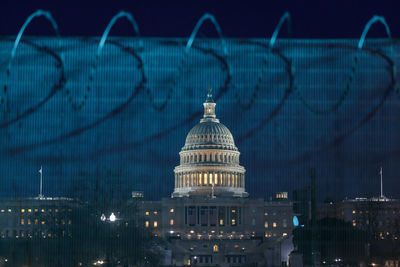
(215, 157)
(228, 179)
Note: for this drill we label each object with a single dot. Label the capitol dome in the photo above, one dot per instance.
(209, 160)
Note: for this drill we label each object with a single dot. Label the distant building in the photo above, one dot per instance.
(38, 217)
(380, 215)
(209, 220)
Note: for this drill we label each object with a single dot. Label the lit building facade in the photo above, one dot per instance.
(38, 217)
(209, 219)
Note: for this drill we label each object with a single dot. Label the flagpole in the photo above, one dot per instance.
(41, 181)
(381, 182)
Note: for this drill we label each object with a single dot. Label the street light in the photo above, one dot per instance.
(103, 217)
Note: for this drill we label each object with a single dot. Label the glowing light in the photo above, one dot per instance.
(103, 217)
(112, 217)
(295, 221)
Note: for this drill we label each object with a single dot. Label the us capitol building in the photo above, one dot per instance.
(209, 219)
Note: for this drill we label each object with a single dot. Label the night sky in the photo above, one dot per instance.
(136, 147)
(310, 19)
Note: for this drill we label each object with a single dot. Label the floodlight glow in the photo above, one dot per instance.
(112, 217)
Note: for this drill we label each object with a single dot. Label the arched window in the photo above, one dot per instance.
(200, 157)
(215, 248)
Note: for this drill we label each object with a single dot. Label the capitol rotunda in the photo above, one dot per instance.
(209, 160)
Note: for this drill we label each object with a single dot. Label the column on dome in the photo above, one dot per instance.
(236, 180)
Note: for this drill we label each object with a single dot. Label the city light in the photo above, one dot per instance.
(112, 217)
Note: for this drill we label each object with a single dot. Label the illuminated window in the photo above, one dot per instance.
(267, 235)
(22, 210)
(43, 222)
(29, 210)
(155, 212)
(266, 214)
(146, 224)
(215, 248)
(233, 211)
(56, 210)
(29, 221)
(221, 222)
(354, 223)
(42, 210)
(147, 213)
(284, 234)
(171, 222)
(236, 246)
(69, 222)
(2, 211)
(36, 221)
(22, 221)
(155, 224)
(354, 211)
(233, 222)
(274, 224)
(9, 210)
(205, 178)
(171, 210)
(266, 224)
(36, 210)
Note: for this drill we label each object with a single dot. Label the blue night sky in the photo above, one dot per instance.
(314, 102)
